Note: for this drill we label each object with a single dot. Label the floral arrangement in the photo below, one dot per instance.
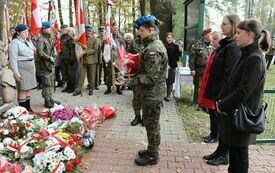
(49, 142)
(127, 63)
(63, 114)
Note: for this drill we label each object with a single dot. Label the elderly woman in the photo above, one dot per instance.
(21, 55)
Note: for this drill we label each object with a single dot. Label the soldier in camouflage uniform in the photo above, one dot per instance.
(68, 59)
(200, 50)
(45, 56)
(90, 61)
(134, 46)
(151, 78)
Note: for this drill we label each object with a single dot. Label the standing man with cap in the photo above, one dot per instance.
(45, 54)
(200, 50)
(68, 59)
(90, 61)
(151, 78)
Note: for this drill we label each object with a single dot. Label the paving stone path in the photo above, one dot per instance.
(117, 143)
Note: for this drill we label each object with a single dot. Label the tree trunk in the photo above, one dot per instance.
(49, 11)
(2, 2)
(163, 10)
(100, 13)
(119, 14)
(134, 15)
(60, 12)
(71, 13)
(142, 4)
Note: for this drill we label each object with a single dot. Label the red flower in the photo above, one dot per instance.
(76, 161)
(69, 166)
(38, 150)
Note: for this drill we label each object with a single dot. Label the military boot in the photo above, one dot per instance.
(48, 103)
(143, 153)
(118, 90)
(151, 158)
(136, 121)
(108, 91)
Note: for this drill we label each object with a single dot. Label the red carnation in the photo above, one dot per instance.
(69, 166)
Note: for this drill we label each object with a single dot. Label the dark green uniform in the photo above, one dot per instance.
(45, 50)
(197, 59)
(152, 81)
(68, 61)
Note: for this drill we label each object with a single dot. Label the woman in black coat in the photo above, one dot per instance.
(245, 85)
(226, 57)
(173, 57)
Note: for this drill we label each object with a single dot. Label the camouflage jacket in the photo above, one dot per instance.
(153, 69)
(45, 50)
(67, 50)
(198, 55)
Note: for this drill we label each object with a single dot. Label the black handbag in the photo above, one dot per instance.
(245, 121)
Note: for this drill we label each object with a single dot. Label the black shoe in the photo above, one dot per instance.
(221, 160)
(136, 121)
(60, 85)
(211, 140)
(76, 93)
(107, 91)
(96, 88)
(206, 137)
(147, 160)
(210, 156)
(70, 90)
(143, 153)
(90, 93)
(65, 90)
(119, 92)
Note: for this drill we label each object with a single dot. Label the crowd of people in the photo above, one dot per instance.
(227, 71)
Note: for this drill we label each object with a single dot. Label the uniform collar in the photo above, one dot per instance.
(150, 38)
(46, 35)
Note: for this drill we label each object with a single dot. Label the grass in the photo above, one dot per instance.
(197, 122)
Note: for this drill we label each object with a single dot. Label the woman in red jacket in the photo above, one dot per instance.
(208, 103)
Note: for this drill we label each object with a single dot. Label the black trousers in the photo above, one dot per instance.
(214, 123)
(238, 159)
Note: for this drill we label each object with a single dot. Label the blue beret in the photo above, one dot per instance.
(145, 19)
(20, 27)
(46, 25)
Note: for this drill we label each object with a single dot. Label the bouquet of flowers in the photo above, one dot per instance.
(107, 111)
(63, 114)
(127, 63)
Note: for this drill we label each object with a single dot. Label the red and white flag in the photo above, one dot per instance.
(80, 29)
(54, 21)
(36, 22)
(108, 35)
(24, 18)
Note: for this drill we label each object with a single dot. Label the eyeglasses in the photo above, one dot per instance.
(223, 24)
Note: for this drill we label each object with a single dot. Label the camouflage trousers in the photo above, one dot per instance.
(47, 86)
(151, 115)
(136, 102)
